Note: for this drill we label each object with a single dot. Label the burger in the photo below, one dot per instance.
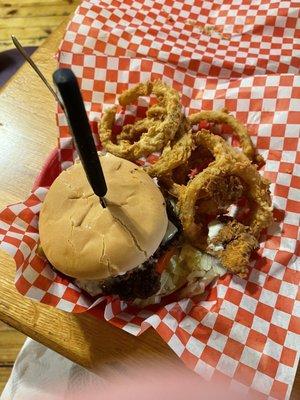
(131, 248)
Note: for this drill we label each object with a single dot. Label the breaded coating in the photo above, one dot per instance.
(152, 133)
(238, 243)
(221, 193)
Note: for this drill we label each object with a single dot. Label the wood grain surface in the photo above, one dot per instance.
(4, 375)
(27, 134)
(10, 344)
(31, 21)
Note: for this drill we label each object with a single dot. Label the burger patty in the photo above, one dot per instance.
(142, 282)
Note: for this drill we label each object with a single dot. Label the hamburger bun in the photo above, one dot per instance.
(85, 241)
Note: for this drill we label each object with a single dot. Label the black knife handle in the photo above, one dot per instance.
(67, 85)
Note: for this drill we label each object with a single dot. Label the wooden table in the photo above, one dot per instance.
(27, 134)
(31, 20)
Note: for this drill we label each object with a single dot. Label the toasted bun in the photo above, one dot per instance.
(85, 241)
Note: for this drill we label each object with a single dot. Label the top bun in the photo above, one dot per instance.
(85, 241)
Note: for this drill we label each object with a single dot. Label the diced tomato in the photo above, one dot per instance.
(152, 158)
(164, 260)
(203, 125)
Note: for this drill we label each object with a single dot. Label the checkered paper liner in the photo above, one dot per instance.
(246, 332)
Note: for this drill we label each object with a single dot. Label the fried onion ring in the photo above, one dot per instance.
(239, 129)
(150, 134)
(227, 163)
(179, 155)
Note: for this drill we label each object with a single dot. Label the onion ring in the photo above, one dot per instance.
(179, 155)
(227, 163)
(152, 134)
(239, 129)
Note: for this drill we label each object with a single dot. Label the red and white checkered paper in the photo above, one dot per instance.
(246, 332)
